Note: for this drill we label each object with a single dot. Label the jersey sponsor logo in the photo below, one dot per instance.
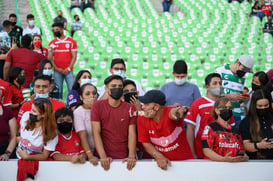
(165, 141)
(171, 148)
(151, 132)
(70, 97)
(121, 120)
(229, 145)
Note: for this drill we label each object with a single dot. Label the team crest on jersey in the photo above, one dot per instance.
(77, 143)
(70, 97)
(67, 45)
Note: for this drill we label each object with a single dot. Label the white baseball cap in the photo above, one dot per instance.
(247, 62)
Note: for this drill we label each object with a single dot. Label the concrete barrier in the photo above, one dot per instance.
(191, 170)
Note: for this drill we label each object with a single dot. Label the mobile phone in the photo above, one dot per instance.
(270, 140)
(241, 153)
(246, 95)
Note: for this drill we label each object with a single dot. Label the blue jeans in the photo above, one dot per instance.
(166, 6)
(59, 78)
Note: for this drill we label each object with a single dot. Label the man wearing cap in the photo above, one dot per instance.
(161, 130)
(233, 80)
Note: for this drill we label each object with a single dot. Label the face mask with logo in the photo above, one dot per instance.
(179, 81)
(31, 22)
(120, 73)
(255, 87)
(64, 127)
(263, 112)
(47, 72)
(116, 93)
(57, 34)
(21, 79)
(225, 114)
(86, 81)
(41, 95)
(128, 96)
(37, 44)
(33, 118)
(216, 91)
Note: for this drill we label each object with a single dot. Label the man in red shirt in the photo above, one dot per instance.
(5, 94)
(41, 89)
(114, 125)
(62, 53)
(199, 114)
(23, 57)
(161, 130)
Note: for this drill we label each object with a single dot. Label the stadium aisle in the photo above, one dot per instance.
(158, 6)
(8, 7)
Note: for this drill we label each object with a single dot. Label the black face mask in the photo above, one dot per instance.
(226, 114)
(21, 80)
(116, 93)
(263, 112)
(33, 118)
(64, 127)
(255, 87)
(60, 16)
(128, 96)
(13, 23)
(240, 73)
(57, 34)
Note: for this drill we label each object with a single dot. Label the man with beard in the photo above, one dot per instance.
(161, 130)
(62, 53)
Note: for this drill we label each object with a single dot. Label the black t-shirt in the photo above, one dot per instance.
(266, 132)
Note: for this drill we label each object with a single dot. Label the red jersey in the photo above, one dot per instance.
(27, 107)
(168, 136)
(115, 123)
(200, 116)
(44, 52)
(267, 10)
(17, 97)
(27, 59)
(222, 140)
(62, 50)
(5, 94)
(68, 146)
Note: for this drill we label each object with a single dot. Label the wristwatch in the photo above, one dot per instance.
(8, 153)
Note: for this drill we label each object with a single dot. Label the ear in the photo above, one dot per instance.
(81, 98)
(111, 71)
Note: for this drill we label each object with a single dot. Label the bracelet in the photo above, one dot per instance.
(88, 151)
(256, 146)
(8, 153)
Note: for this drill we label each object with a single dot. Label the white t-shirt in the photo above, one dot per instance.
(31, 142)
(33, 31)
(82, 122)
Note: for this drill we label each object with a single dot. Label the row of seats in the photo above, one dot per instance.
(206, 34)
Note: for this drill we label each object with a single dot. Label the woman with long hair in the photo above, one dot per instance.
(257, 127)
(220, 141)
(73, 98)
(82, 120)
(38, 131)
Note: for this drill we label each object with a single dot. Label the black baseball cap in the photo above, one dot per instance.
(155, 96)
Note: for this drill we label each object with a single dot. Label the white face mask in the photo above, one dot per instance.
(179, 81)
(120, 73)
(216, 91)
(47, 72)
(31, 22)
(41, 95)
(86, 81)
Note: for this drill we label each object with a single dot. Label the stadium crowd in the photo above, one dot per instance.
(120, 120)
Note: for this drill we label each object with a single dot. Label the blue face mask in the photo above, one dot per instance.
(179, 81)
(120, 73)
(47, 72)
(31, 22)
(41, 95)
(86, 81)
